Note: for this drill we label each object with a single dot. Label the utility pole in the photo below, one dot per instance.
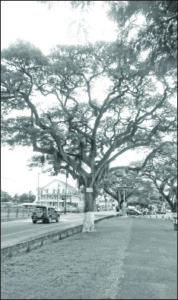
(65, 194)
(105, 198)
(58, 197)
(38, 187)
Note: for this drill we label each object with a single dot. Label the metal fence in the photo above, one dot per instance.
(15, 212)
(9, 213)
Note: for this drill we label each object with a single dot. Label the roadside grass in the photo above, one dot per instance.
(82, 266)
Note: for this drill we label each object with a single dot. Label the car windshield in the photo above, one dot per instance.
(40, 208)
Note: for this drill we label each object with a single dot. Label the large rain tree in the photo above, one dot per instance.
(82, 108)
(125, 183)
(161, 167)
(118, 184)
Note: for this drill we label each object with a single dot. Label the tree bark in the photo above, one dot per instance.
(88, 221)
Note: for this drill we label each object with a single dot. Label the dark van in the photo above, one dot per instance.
(44, 213)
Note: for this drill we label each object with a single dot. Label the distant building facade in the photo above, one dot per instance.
(56, 192)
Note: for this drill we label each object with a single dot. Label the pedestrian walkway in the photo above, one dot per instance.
(125, 258)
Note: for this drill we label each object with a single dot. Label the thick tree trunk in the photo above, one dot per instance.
(174, 207)
(173, 204)
(88, 221)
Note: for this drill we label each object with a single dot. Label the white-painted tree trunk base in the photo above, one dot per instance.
(124, 209)
(124, 212)
(88, 222)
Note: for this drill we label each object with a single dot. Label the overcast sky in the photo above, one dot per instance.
(34, 22)
(43, 27)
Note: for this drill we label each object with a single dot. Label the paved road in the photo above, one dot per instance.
(21, 230)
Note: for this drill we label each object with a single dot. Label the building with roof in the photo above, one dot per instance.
(58, 194)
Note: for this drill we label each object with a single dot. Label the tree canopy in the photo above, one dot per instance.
(161, 168)
(81, 107)
(82, 130)
(158, 34)
(149, 26)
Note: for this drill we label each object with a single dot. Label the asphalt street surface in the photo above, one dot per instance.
(15, 231)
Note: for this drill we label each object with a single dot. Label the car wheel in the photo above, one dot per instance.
(49, 220)
(34, 222)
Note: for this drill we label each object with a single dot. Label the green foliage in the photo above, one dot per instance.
(26, 197)
(16, 131)
(5, 197)
(137, 189)
(161, 168)
(24, 54)
(159, 35)
(81, 4)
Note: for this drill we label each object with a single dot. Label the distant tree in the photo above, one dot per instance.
(83, 132)
(26, 197)
(144, 193)
(116, 184)
(160, 166)
(123, 183)
(5, 197)
(15, 199)
(31, 196)
(162, 170)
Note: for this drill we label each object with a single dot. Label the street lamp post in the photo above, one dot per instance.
(105, 198)
(38, 187)
(65, 194)
(58, 197)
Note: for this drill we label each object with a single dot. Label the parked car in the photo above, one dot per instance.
(148, 213)
(133, 211)
(160, 212)
(44, 213)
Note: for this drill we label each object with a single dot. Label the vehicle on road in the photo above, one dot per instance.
(159, 211)
(44, 213)
(133, 211)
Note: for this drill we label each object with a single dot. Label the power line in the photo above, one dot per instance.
(9, 179)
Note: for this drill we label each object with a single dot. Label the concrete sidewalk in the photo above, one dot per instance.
(125, 258)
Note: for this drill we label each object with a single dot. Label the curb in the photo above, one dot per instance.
(27, 246)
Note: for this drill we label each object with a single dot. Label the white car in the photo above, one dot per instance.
(133, 211)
